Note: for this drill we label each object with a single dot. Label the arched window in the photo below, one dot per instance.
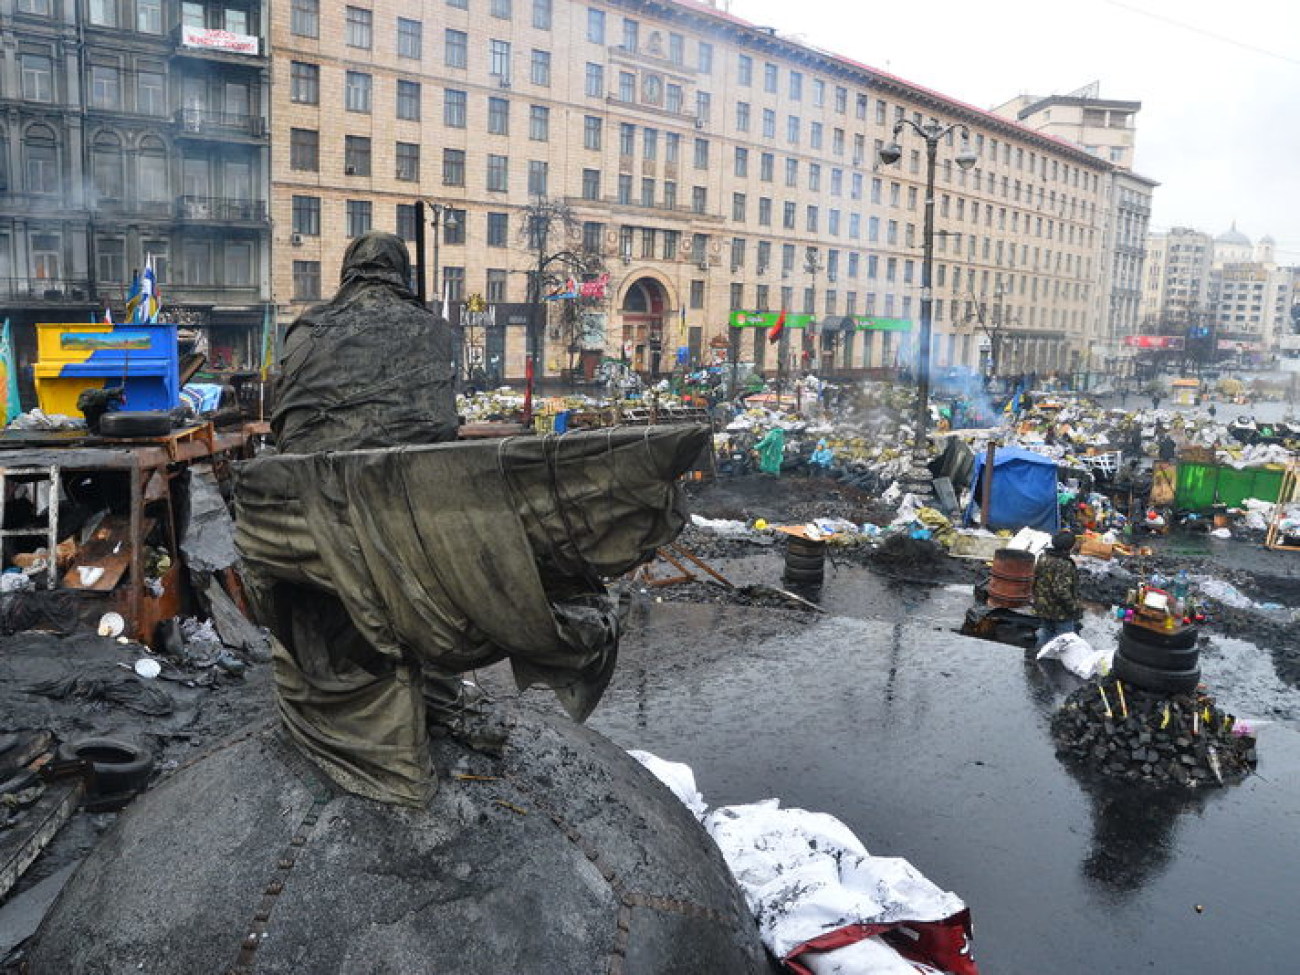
(106, 167)
(41, 160)
(152, 177)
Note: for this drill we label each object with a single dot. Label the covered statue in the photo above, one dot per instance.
(386, 561)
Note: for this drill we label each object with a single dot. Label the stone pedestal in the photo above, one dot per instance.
(562, 855)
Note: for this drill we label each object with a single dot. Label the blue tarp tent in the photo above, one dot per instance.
(1024, 491)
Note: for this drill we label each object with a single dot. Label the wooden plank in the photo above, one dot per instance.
(22, 844)
(109, 549)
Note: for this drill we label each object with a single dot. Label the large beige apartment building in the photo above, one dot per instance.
(724, 173)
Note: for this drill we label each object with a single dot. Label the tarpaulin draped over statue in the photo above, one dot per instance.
(371, 565)
(372, 367)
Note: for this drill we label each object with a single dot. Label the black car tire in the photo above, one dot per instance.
(793, 560)
(804, 575)
(805, 546)
(124, 424)
(119, 766)
(1153, 678)
(1162, 658)
(1181, 639)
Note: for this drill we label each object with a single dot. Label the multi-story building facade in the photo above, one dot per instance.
(135, 129)
(717, 167)
(1226, 291)
(1176, 291)
(1106, 129)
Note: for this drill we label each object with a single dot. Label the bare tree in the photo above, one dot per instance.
(549, 224)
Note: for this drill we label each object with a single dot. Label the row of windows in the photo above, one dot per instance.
(140, 174)
(146, 16)
(654, 90)
(304, 21)
(205, 262)
(304, 155)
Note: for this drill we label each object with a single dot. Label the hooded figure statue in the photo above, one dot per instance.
(386, 563)
(370, 368)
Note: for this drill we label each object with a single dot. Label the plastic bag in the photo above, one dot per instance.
(1077, 655)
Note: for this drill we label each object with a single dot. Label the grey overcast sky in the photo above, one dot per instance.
(1219, 83)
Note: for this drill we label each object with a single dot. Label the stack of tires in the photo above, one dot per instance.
(1158, 660)
(805, 561)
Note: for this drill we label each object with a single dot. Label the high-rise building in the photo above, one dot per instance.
(1225, 290)
(1176, 292)
(134, 130)
(1105, 128)
(722, 172)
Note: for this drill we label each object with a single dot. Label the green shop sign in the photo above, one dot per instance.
(766, 319)
(870, 323)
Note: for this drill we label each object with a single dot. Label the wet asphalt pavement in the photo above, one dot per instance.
(935, 746)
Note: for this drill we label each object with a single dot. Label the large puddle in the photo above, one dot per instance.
(934, 746)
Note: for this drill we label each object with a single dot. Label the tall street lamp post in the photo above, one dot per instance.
(932, 133)
(439, 215)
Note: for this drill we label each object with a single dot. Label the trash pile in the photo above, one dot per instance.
(1182, 740)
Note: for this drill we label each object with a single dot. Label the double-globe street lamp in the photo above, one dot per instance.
(932, 133)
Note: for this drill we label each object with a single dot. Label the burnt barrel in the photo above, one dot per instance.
(1011, 583)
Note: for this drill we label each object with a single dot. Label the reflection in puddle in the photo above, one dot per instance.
(1133, 835)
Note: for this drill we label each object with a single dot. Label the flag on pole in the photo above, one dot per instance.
(446, 304)
(774, 333)
(134, 296)
(151, 300)
(9, 367)
(268, 339)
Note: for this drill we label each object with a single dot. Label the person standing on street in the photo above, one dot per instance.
(1056, 589)
(771, 451)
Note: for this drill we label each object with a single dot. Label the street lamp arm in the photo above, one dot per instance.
(931, 132)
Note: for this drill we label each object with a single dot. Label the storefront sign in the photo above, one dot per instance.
(1173, 343)
(766, 319)
(1232, 345)
(872, 323)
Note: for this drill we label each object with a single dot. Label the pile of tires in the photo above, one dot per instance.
(1158, 660)
(805, 561)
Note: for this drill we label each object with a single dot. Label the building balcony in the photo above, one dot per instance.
(226, 296)
(201, 123)
(59, 291)
(220, 209)
(213, 44)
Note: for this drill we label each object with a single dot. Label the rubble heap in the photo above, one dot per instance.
(1180, 740)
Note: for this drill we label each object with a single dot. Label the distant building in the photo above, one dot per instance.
(128, 131)
(1106, 129)
(1177, 280)
(723, 171)
(1227, 285)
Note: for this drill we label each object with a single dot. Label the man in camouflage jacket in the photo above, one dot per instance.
(1056, 589)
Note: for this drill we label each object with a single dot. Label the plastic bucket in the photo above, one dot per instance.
(1012, 580)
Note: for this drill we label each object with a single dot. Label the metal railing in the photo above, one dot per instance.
(202, 121)
(219, 208)
(71, 290)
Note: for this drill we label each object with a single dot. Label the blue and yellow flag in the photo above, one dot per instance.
(268, 339)
(9, 369)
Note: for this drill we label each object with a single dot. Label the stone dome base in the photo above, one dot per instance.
(560, 855)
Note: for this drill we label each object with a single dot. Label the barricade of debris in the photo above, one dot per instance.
(1180, 740)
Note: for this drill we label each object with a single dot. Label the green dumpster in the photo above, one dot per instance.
(1201, 486)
